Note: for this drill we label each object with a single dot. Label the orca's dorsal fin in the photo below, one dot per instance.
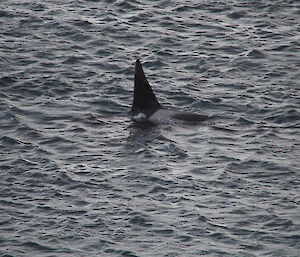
(143, 98)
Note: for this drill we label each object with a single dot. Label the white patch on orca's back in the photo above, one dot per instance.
(161, 116)
(167, 116)
(140, 117)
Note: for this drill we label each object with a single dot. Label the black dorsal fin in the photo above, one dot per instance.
(143, 98)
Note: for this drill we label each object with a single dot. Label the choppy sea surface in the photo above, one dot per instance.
(79, 178)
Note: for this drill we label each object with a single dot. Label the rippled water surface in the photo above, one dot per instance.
(79, 178)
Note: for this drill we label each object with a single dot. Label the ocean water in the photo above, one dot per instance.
(79, 178)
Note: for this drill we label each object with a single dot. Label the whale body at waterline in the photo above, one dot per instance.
(146, 108)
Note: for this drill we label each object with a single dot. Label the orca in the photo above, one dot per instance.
(146, 108)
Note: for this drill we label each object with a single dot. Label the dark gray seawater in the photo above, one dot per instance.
(79, 178)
